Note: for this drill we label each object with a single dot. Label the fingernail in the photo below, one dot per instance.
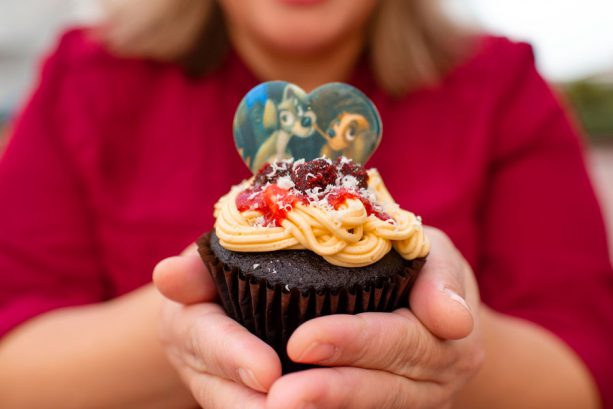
(456, 297)
(317, 352)
(250, 380)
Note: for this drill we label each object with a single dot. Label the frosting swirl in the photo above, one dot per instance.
(350, 234)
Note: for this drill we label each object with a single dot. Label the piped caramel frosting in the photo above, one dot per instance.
(337, 209)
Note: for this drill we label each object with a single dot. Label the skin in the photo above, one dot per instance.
(441, 354)
(306, 44)
(448, 351)
(97, 356)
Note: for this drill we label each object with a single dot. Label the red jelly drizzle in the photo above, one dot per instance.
(250, 199)
(337, 197)
(272, 202)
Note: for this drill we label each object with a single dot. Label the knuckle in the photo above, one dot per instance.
(368, 340)
(194, 355)
(204, 343)
(408, 352)
(408, 361)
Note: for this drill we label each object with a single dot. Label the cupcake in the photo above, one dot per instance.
(303, 239)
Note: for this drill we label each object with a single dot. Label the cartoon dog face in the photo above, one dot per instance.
(293, 114)
(345, 129)
(347, 135)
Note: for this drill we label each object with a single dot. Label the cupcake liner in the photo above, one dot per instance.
(273, 312)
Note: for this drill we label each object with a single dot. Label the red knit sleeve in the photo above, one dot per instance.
(545, 253)
(47, 250)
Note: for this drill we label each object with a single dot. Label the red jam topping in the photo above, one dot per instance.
(279, 186)
(272, 201)
(339, 196)
(270, 173)
(349, 168)
(318, 173)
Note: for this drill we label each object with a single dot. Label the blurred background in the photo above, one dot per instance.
(573, 40)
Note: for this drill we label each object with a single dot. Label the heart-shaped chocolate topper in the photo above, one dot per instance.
(278, 120)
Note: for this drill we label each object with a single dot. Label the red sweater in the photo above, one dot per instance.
(115, 164)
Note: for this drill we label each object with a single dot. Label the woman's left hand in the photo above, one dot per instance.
(407, 359)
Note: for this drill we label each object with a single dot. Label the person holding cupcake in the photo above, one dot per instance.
(121, 152)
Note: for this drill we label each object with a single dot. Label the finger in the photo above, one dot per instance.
(218, 345)
(396, 343)
(190, 250)
(212, 392)
(347, 387)
(184, 279)
(438, 298)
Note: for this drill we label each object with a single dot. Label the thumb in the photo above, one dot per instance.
(438, 298)
(184, 278)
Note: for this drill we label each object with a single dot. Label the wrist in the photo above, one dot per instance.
(526, 366)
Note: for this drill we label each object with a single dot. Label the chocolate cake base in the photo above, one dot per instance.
(272, 293)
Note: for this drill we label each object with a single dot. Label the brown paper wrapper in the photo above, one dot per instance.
(272, 312)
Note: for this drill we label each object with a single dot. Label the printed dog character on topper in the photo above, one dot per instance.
(347, 136)
(278, 120)
(293, 116)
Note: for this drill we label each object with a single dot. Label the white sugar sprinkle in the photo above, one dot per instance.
(344, 160)
(298, 162)
(349, 182)
(285, 182)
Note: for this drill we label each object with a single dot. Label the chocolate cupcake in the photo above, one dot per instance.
(303, 239)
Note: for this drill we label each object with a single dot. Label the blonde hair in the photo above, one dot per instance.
(411, 42)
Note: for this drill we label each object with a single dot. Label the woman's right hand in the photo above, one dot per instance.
(222, 363)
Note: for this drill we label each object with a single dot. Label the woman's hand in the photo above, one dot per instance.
(407, 359)
(418, 358)
(223, 364)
